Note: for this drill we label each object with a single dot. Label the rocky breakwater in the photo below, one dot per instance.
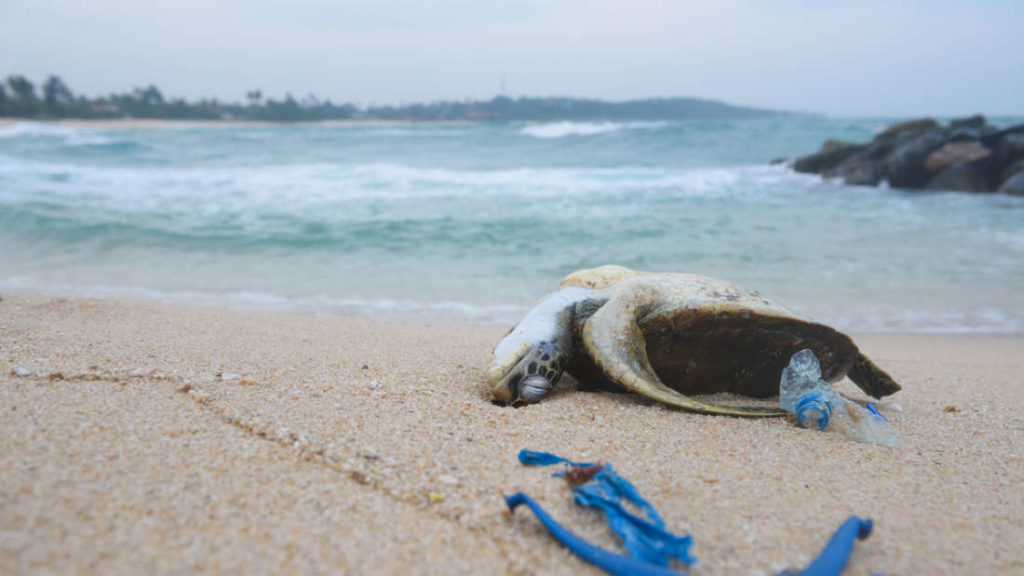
(968, 155)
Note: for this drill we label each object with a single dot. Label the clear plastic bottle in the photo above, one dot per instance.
(817, 405)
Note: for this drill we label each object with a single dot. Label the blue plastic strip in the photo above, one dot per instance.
(644, 538)
(534, 458)
(618, 486)
(609, 562)
(873, 410)
(834, 556)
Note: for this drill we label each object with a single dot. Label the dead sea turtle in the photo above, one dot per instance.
(666, 336)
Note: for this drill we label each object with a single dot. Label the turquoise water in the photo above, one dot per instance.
(474, 222)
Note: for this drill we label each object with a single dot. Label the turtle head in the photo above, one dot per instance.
(528, 374)
(530, 359)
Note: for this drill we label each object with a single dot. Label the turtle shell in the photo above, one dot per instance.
(738, 351)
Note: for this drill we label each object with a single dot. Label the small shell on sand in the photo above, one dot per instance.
(199, 395)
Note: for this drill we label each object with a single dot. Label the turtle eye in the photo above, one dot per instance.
(533, 388)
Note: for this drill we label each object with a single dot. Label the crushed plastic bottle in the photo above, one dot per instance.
(817, 405)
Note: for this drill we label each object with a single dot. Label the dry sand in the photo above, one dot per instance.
(331, 445)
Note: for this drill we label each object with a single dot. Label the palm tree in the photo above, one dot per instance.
(57, 96)
(25, 103)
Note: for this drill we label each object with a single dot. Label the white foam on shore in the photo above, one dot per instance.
(387, 309)
(35, 129)
(68, 135)
(318, 182)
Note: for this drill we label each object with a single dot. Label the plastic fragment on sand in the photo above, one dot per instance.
(645, 538)
(610, 562)
(650, 546)
(871, 408)
(836, 554)
(611, 483)
(534, 458)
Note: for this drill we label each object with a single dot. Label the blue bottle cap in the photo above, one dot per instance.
(811, 408)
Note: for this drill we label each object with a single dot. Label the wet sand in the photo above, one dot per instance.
(164, 439)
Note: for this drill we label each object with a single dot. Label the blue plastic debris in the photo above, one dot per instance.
(644, 538)
(816, 404)
(609, 562)
(873, 410)
(650, 546)
(836, 554)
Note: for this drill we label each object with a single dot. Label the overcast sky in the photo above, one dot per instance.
(863, 57)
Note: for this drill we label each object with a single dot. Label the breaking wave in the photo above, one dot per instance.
(563, 129)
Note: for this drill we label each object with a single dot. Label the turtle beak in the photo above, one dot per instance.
(532, 389)
(527, 375)
(522, 383)
(504, 375)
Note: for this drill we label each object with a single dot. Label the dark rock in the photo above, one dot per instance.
(1010, 148)
(776, 161)
(905, 166)
(961, 177)
(969, 155)
(859, 170)
(1011, 170)
(863, 174)
(832, 145)
(879, 151)
(976, 121)
(831, 154)
(957, 134)
(865, 168)
(1014, 185)
(993, 138)
(896, 131)
(956, 152)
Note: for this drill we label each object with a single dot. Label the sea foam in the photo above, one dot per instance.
(65, 134)
(552, 130)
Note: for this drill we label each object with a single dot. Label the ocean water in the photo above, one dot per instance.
(475, 222)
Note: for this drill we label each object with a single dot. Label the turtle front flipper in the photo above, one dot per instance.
(616, 344)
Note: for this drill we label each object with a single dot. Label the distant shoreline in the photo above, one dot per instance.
(158, 123)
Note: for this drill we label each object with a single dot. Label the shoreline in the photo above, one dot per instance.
(419, 317)
(161, 437)
(159, 123)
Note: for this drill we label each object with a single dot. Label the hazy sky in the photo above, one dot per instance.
(866, 57)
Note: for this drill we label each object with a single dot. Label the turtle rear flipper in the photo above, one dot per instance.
(617, 346)
(872, 379)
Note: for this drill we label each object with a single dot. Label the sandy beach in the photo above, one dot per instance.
(163, 439)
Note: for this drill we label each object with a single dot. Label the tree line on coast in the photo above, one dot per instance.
(20, 98)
